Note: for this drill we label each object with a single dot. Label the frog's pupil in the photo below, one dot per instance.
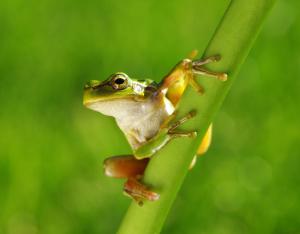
(119, 81)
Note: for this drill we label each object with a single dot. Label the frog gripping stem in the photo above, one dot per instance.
(139, 192)
(175, 125)
(198, 69)
(145, 113)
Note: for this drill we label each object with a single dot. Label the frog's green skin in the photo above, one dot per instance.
(144, 111)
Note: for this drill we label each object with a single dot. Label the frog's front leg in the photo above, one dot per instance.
(198, 69)
(165, 134)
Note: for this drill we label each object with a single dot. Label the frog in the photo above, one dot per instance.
(146, 111)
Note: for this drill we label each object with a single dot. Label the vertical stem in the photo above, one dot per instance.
(166, 171)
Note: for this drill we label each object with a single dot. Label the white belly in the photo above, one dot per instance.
(139, 121)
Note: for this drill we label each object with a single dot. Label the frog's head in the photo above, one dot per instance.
(106, 95)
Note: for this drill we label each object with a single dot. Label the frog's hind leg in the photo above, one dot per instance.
(124, 166)
(127, 166)
(204, 145)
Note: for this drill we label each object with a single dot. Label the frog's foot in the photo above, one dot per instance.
(127, 166)
(165, 135)
(173, 134)
(198, 69)
(138, 191)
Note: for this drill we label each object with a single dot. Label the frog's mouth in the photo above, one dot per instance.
(92, 97)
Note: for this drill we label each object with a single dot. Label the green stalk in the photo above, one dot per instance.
(166, 171)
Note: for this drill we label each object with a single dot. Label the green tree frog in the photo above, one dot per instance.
(145, 111)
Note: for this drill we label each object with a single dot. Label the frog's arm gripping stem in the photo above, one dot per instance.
(197, 68)
(165, 135)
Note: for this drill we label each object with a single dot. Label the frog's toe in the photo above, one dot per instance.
(192, 134)
(188, 116)
(139, 192)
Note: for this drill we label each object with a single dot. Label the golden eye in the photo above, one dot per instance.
(119, 82)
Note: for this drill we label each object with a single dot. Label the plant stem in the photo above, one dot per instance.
(166, 171)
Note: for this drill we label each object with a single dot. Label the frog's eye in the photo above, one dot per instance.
(119, 82)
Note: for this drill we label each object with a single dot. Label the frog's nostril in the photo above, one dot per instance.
(94, 83)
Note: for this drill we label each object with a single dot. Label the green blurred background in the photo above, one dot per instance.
(52, 148)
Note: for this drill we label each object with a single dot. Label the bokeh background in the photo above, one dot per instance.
(52, 148)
